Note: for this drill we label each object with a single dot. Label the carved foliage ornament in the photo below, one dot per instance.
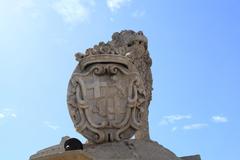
(106, 97)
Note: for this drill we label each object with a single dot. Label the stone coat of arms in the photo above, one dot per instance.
(106, 97)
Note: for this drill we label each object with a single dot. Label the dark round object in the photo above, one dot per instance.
(73, 144)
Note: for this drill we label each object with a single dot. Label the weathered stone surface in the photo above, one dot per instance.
(194, 157)
(135, 45)
(125, 150)
(68, 155)
(106, 106)
(130, 150)
(51, 150)
(65, 144)
(107, 96)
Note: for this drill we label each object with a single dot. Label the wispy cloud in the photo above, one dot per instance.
(219, 119)
(138, 13)
(21, 5)
(174, 129)
(92, 2)
(51, 125)
(14, 115)
(173, 118)
(114, 5)
(2, 116)
(112, 19)
(17, 7)
(74, 11)
(7, 113)
(195, 126)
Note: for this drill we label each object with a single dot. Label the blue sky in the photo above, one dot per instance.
(196, 70)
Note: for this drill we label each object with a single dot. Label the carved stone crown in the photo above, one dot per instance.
(102, 49)
(104, 53)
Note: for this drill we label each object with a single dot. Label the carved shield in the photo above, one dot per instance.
(105, 101)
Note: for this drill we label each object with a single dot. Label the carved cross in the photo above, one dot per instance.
(96, 85)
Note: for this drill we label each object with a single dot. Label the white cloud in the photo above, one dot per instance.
(13, 115)
(2, 116)
(173, 118)
(114, 5)
(219, 119)
(50, 125)
(74, 11)
(138, 13)
(7, 113)
(195, 126)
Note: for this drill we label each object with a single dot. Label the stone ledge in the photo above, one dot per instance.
(68, 155)
(194, 157)
(125, 150)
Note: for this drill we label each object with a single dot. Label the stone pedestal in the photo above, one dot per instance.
(125, 150)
